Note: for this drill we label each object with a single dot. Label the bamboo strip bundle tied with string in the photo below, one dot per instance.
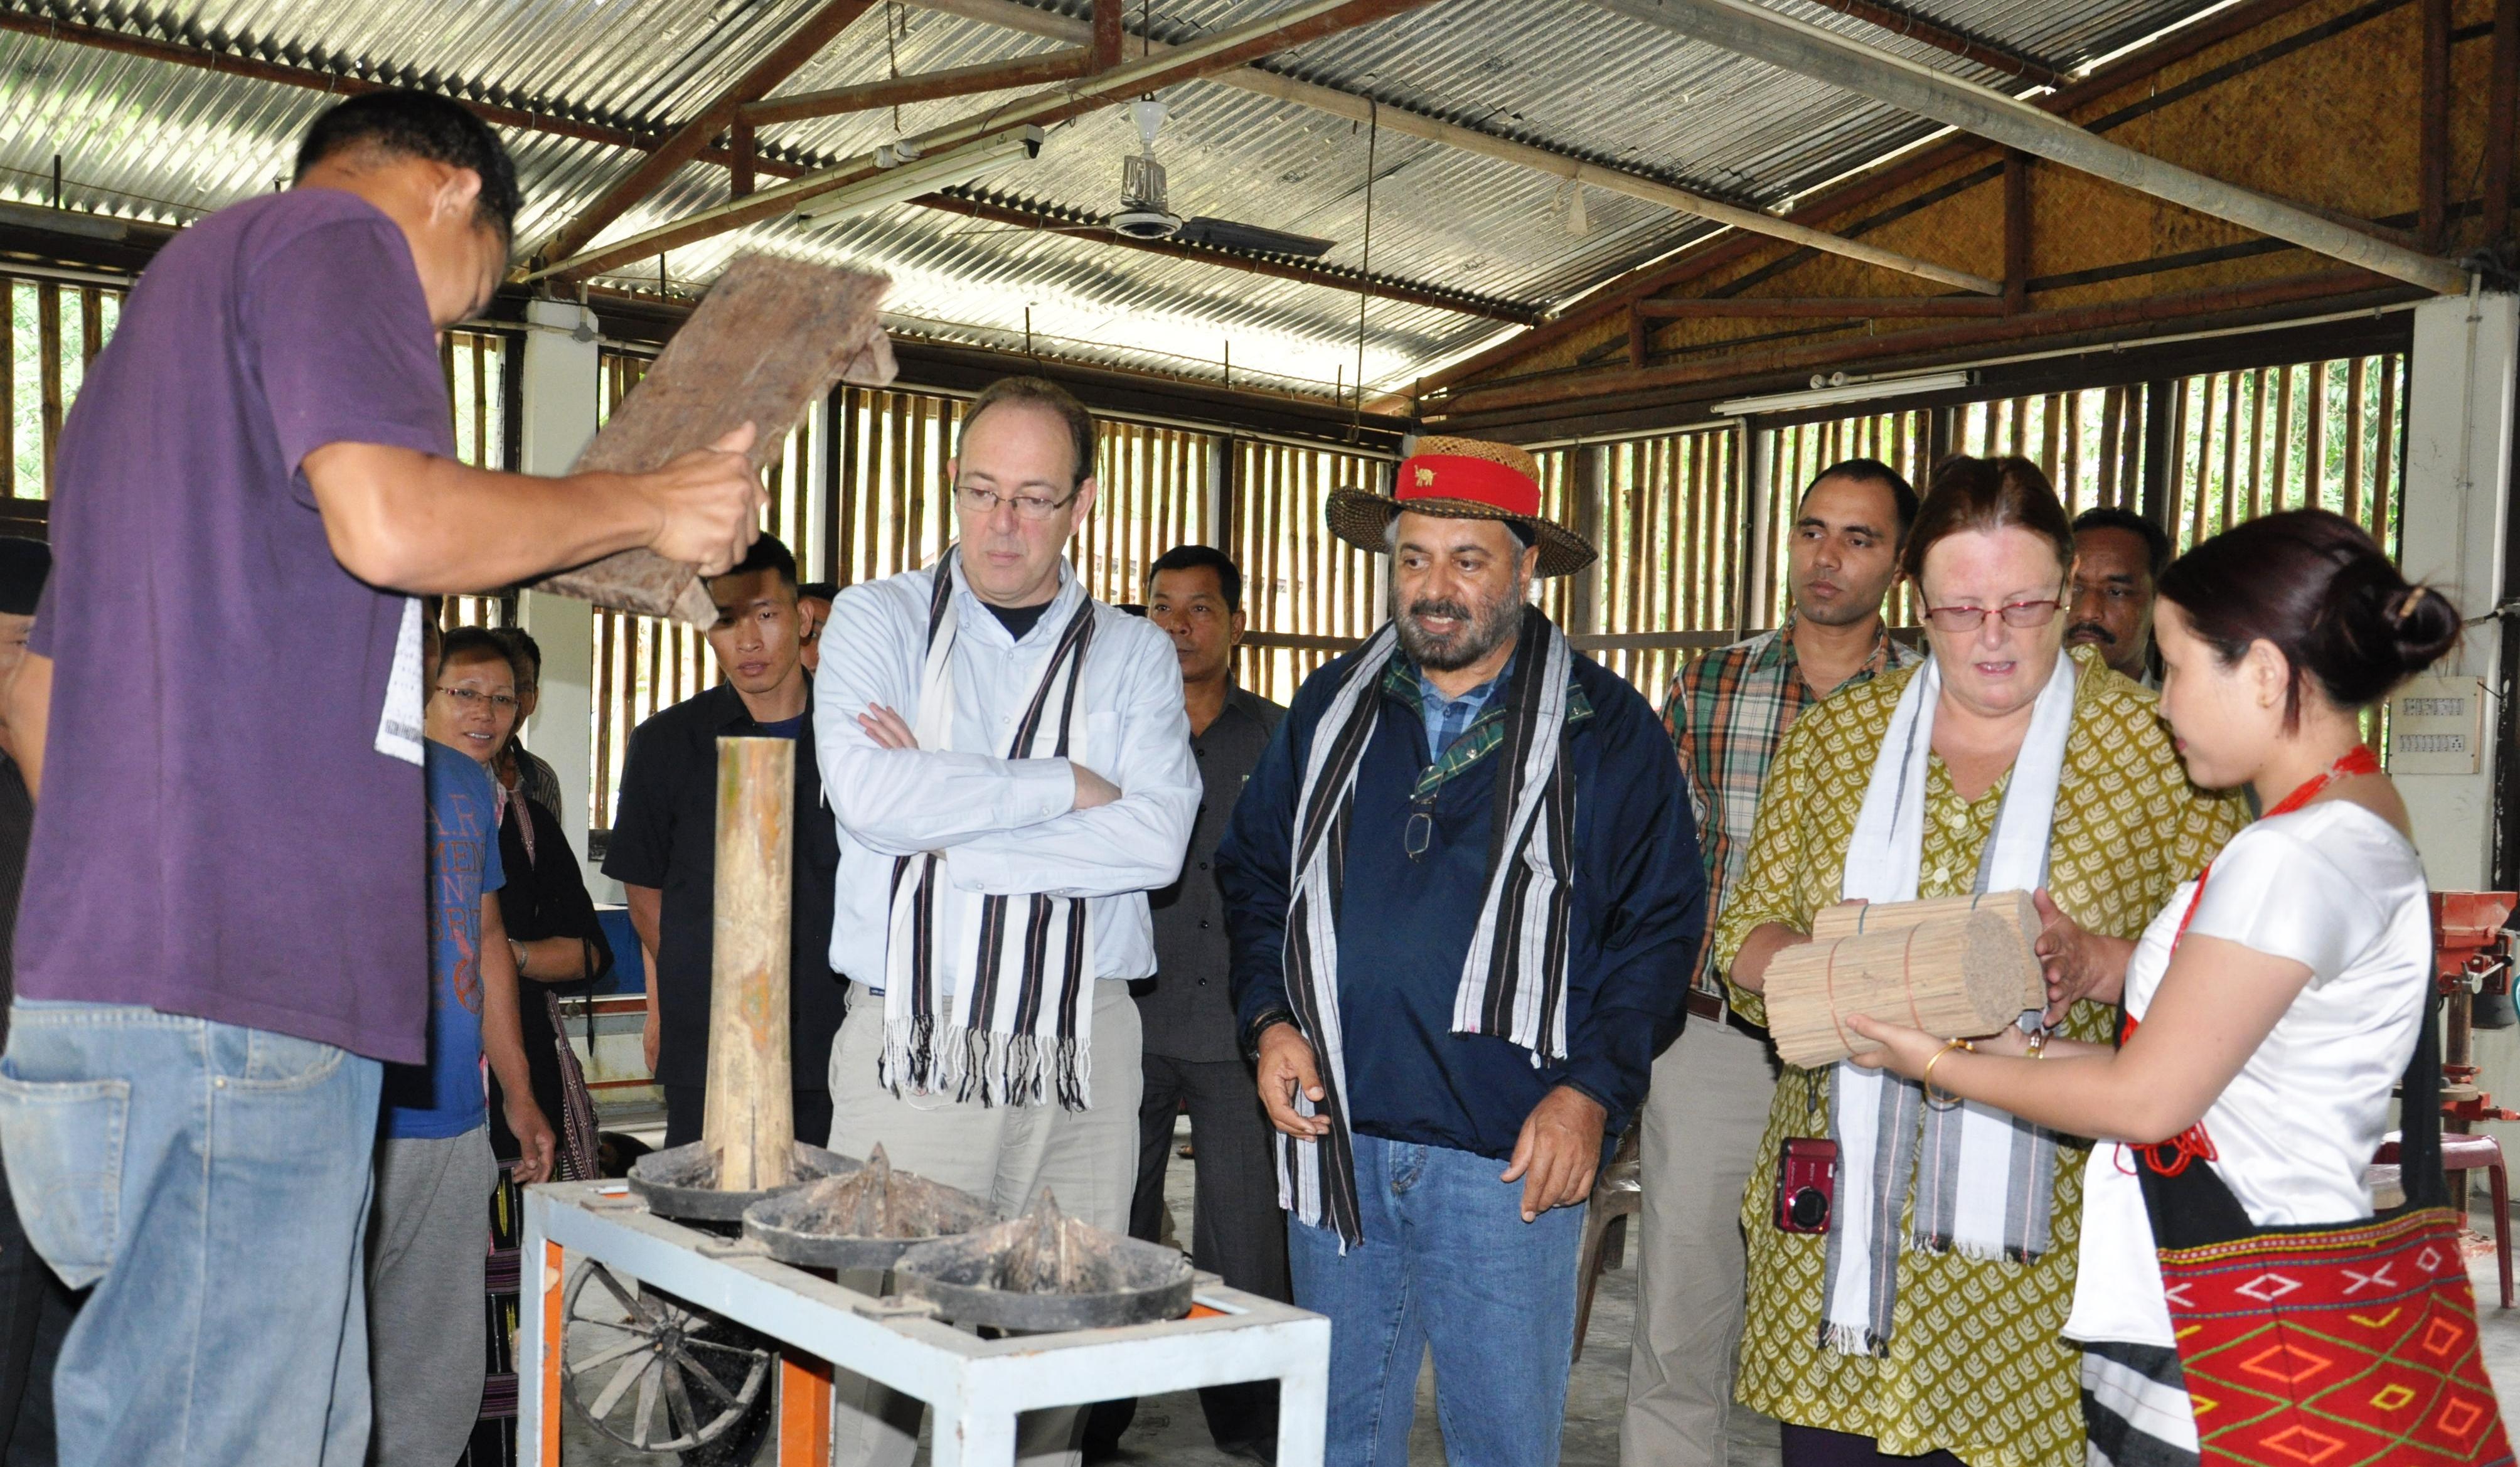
(1949, 965)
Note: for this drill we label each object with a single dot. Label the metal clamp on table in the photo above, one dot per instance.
(976, 1386)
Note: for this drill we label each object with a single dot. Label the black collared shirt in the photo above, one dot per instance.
(1189, 1013)
(665, 835)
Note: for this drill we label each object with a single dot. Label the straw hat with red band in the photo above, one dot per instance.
(1460, 478)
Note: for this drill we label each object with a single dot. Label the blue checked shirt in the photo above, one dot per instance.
(1447, 719)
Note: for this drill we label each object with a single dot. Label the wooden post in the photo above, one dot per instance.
(750, 1121)
(2432, 171)
(743, 152)
(1591, 486)
(2160, 449)
(2017, 231)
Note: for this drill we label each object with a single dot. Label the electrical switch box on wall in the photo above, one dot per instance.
(2437, 727)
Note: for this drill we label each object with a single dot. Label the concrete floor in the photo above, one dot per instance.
(1170, 1431)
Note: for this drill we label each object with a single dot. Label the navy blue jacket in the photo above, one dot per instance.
(1403, 926)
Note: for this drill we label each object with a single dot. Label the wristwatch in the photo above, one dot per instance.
(1273, 1014)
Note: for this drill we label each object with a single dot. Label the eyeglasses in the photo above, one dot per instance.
(978, 500)
(1965, 619)
(472, 699)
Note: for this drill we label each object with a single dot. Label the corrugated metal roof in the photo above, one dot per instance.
(156, 140)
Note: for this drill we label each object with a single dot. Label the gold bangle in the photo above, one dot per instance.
(2038, 1043)
(1926, 1079)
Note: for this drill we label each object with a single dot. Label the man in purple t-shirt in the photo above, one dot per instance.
(224, 929)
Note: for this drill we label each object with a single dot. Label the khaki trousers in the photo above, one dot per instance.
(1704, 1114)
(1003, 1155)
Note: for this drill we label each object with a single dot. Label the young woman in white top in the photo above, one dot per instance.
(2302, 968)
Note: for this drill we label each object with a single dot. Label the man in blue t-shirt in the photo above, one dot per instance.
(428, 1231)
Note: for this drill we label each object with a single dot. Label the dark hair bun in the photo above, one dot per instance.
(2425, 626)
(2312, 584)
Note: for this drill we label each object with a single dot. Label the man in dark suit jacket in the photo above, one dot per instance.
(1193, 1060)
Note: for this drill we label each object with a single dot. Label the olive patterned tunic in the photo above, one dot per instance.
(1975, 1365)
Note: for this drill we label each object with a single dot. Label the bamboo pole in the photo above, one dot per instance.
(749, 1122)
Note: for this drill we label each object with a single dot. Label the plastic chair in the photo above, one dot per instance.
(1618, 1194)
(2473, 1152)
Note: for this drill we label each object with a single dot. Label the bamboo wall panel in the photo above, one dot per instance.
(1157, 491)
(49, 332)
(1669, 518)
(477, 366)
(1298, 580)
(2329, 434)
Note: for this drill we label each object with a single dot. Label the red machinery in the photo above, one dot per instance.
(2472, 950)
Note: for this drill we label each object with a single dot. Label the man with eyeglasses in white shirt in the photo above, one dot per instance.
(1010, 768)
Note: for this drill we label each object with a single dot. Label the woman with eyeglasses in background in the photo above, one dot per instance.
(552, 926)
(1917, 1315)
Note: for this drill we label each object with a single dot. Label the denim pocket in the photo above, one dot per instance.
(63, 1146)
(271, 1061)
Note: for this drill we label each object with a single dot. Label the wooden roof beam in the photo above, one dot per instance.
(687, 142)
(926, 86)
(310, 78)
(1795, 46)
(2185, 307)
(1903, 19)
(1557, 165)
(1281, 30)
(1825, 307)
(1107, 37)
(314, 80)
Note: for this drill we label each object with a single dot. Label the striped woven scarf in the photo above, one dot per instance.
(1022, 1026)
(1514, 980)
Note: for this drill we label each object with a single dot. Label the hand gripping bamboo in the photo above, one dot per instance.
(1952, 966)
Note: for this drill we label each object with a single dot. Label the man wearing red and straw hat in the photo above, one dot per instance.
(1464, 894)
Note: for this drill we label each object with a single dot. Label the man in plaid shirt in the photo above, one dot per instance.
(1708, 1104)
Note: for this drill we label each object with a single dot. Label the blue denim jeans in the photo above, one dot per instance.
(211, 1183)
(1447, 1260)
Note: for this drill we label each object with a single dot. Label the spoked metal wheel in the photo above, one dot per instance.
(651, 1372)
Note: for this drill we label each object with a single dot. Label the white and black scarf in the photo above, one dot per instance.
(1983, 1180)
(1023, 1022)
(1513, 981)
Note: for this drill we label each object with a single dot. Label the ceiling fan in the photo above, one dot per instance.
(1145, 214)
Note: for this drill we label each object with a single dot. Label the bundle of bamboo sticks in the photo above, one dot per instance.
(1949, 965)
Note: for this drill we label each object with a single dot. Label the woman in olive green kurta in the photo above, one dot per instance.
(1973, 1364)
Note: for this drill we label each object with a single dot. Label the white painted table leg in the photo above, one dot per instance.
(976, 1437)
(1303, 1412)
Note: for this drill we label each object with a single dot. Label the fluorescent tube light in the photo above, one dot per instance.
(906, 176)
(1826, 391)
